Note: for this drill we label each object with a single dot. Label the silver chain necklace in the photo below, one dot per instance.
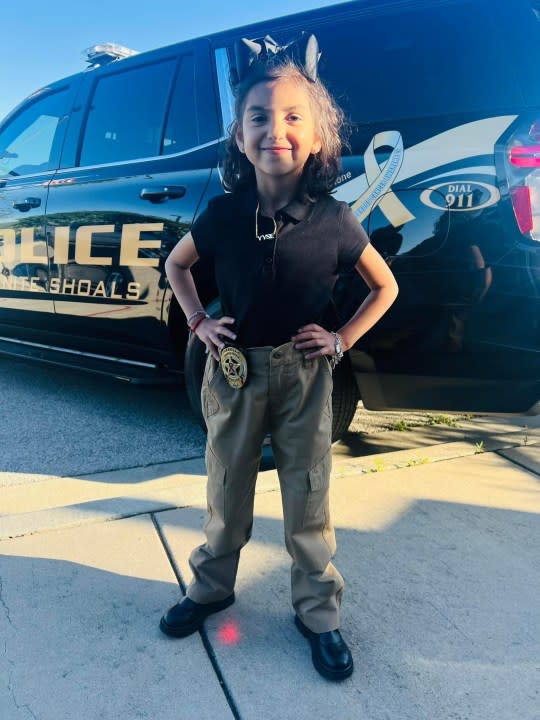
(266, 236)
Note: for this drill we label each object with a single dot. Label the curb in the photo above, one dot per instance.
(400, 459)
(173, 485)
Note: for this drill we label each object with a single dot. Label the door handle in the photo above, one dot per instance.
(161, 194)
(27, 204)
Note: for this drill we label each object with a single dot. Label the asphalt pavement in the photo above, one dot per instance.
(437, 541)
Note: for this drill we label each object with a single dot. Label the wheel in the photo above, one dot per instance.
(194, 363)
(344, 397)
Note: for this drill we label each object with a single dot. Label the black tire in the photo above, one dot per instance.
(344, 398)
(194, 362)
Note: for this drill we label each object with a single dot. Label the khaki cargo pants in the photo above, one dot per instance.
(289, 397)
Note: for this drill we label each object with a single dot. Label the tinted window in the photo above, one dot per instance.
(226, 96)
(181, 131)
(405, 61)
(27, 142)
(126, 115)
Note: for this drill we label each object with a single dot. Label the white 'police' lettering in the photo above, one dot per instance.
(133, 248)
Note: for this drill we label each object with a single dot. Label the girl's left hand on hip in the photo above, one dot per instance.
(316, 339)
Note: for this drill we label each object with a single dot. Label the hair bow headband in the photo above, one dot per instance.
(304, 51)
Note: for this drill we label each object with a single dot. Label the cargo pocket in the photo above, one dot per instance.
(328, 410)
(209, 402)
(327, 370)
(327, 364)
(317, 513)
(215, 489)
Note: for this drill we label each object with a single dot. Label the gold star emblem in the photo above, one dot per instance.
(234, 366)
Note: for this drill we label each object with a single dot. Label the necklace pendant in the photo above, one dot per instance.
(268, 236)
(264, 236)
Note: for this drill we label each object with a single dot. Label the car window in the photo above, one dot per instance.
(28, 140)
(402, 60)
(181, 132)
(226, 96)
(126, 115)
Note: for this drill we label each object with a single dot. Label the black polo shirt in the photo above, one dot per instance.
(272, 288)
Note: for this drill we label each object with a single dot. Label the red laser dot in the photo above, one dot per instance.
(229, 634)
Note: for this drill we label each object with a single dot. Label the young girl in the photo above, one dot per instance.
(278, 241)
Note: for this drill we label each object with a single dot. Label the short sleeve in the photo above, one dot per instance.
(203, 233)
(352, 239)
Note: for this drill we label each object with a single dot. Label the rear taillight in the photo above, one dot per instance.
(525, 156)
(523, 173)
(521, 200)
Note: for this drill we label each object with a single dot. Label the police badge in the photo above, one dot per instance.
(234, 366)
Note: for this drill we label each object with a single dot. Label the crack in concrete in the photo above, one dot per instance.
(11, 689)
(516, 462)
(450, 621)
(4, 604)
(11, 664)
(204, 636)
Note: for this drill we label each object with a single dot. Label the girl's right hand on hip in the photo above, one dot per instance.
(211, 332)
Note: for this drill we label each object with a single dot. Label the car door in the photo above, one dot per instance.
(30, 142)
(421, 178)
(138, 159)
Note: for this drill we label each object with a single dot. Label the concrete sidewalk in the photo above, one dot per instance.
(438, 546)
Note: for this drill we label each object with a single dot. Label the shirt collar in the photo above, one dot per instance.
(296, 210)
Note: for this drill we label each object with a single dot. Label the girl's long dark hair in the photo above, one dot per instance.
(321, 170)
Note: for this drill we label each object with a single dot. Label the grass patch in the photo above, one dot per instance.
(403, 425)
(448, 420)
(413, 462)
(378, 466)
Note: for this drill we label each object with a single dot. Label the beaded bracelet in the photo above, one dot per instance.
(198, 322)
(194, 315)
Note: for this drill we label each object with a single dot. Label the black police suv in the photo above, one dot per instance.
(101, 173)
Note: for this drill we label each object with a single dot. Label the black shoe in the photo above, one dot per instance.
(187, 616)
(329, 652)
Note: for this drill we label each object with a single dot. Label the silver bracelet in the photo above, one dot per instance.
(338, 351)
